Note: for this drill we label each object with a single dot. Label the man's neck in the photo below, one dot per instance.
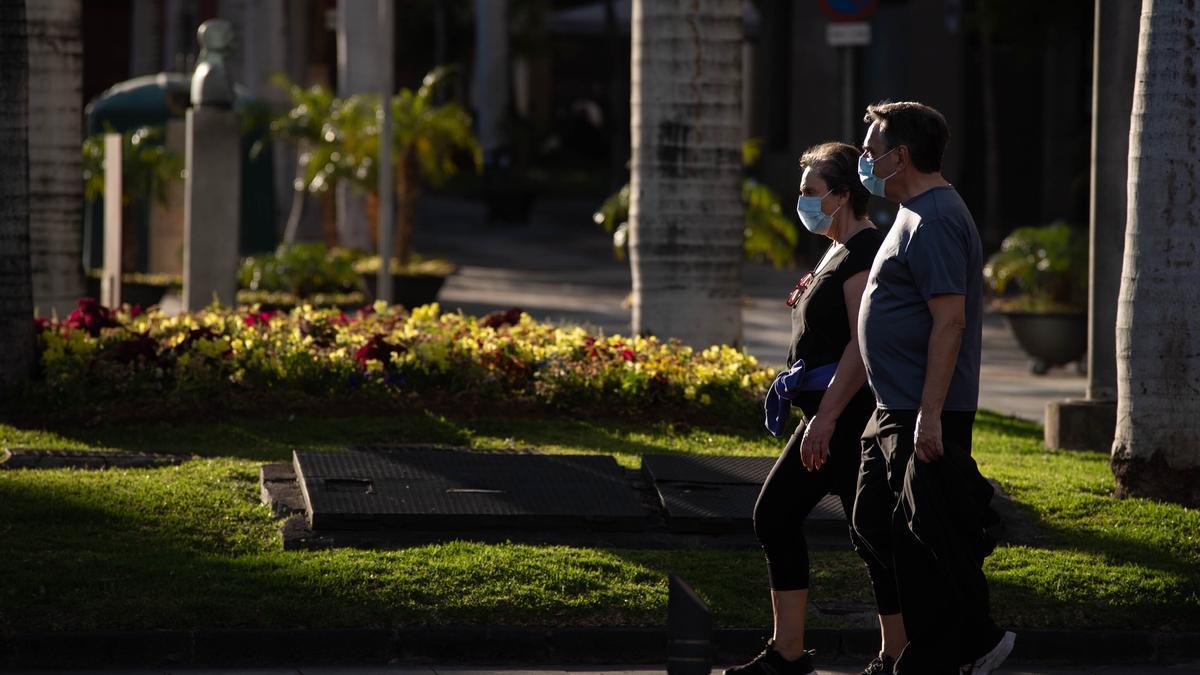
(917, 184)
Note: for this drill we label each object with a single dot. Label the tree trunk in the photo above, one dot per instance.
(685, 214)
(16, 282)
(1156, 452)
(55, 133)
(408, 193)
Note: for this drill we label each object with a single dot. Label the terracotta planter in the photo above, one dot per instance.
(1051, 338)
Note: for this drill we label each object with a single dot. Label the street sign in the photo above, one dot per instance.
(854, 34)
(848, 10)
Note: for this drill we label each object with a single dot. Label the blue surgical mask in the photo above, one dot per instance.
(866, 173)
(811, 214)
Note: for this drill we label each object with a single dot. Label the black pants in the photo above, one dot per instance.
(792, 491)
(926, 522)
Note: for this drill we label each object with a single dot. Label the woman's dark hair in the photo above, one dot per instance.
(921, 128)
(837, 165)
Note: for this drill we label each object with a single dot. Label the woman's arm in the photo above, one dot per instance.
(849, 378)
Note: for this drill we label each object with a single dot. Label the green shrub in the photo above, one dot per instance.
(302, 270)
(1040, 269)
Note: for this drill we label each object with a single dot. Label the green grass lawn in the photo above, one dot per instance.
(191, 546)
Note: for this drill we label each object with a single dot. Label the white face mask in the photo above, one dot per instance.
(812, 215)
(866, 173)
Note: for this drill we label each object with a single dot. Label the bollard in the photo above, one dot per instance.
(689, 630)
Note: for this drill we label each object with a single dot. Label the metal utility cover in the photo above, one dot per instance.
(443, 489)
(711, 493)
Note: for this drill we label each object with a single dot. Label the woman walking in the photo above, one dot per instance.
(826, 379)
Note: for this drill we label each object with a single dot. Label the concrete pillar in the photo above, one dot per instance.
(146, 47)
(358, 72)
(1090, 423)
(491, 81)
(261, 50)
(212, 195)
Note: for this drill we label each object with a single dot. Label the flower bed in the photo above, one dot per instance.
(98, 358)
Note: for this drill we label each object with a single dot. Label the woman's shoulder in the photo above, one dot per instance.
(869, 238)
(860, 252)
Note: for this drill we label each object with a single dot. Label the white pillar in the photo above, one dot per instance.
(110, 279)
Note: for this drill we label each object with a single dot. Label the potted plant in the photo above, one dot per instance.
(432, 141)
(1039, 277)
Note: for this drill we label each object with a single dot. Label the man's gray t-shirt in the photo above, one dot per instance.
(932, 249)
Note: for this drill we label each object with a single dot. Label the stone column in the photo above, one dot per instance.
(358, 73)
(1090, 423)
(212, 196)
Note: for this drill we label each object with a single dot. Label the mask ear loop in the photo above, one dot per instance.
(888, 177)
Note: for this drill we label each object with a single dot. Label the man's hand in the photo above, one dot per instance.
(814, 446)
(927, 439)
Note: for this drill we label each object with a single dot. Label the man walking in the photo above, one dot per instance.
(922, 503)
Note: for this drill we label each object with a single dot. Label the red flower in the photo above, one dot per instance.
(41, 323)
(91, 316)
(378, 349)
(257, 319)
(508, 317)
(140, 347)
(135, 311)
(628, 355)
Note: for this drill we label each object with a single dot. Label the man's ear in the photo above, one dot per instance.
(903, 159)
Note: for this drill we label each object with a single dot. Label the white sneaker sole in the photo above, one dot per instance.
(992, 660)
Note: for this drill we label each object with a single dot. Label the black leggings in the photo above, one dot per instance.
(791, 492)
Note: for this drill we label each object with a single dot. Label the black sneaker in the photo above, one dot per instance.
(880, 665)
(771, 662)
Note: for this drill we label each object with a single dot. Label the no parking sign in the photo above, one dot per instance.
(848, 10)
(848, 27)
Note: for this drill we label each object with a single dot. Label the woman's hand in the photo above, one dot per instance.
(814, 446)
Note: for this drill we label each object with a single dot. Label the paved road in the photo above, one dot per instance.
(560, 267)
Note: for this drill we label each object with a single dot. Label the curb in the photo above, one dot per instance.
(143, 649)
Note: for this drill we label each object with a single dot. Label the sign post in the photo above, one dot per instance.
(848, 30)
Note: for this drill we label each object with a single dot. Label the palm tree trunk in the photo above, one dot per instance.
(406, 216)
(16, 283)
(1156, 452)
(685, 205)
(55, 49)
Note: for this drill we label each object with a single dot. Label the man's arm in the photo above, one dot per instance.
(945, 339)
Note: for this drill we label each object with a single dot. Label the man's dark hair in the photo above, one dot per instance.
(921, 128)
(837, 165)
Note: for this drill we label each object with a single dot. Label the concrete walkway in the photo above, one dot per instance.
(601, 670)
(560, 267)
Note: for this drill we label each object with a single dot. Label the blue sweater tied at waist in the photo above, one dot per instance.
(787, 385)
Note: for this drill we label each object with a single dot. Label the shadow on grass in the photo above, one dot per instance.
(274, 439)
(187, 548)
